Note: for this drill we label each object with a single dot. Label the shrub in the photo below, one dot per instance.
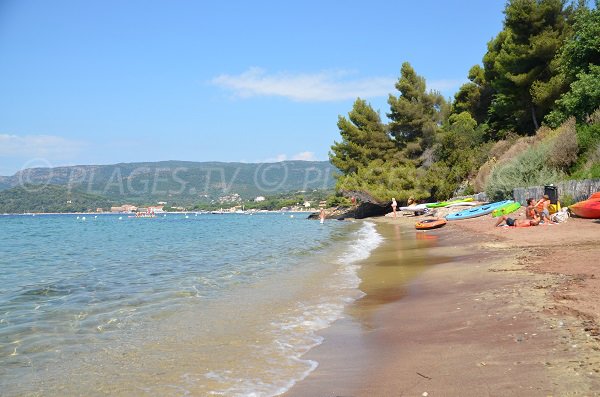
(528, 169)
(338, 201)
(566, 200)
(588, 136)
(385, 180)
(563, 148)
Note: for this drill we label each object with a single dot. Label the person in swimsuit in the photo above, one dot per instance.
(532, 217)
(517, 222)
(394, 205)
(542, 207)
(530, 212)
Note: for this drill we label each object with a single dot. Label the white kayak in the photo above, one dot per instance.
(464, 204)
(415, 208)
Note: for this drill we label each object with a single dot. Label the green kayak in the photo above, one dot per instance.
(446, 203)
(506, 209)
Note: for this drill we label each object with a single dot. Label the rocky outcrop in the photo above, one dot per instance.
(366, 206)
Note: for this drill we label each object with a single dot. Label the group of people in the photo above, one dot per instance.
(535, 213)
(411, 201)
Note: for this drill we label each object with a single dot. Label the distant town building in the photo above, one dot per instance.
(230, 198)
(124, 208)
(259, 199)
(307, 204)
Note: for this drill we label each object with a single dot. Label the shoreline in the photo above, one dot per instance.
(501, 311)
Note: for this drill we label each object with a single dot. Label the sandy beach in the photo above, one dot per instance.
(469, 310)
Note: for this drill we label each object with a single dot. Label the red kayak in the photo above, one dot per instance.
(589, 208)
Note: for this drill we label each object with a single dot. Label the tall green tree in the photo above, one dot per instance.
(364, 139)
(580, 60)
(415, 114)
(582, 49)
(475, 96)
(520, 63)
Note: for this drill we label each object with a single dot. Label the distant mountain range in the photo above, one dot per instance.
(180, 182)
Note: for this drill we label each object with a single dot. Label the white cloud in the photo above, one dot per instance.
(318, 87)
(306, 156)
(49, 147)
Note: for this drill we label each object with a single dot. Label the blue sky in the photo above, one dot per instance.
(101, 82)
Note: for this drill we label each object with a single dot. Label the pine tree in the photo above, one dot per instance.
(520, 64)
(364, 139)
(416, 114)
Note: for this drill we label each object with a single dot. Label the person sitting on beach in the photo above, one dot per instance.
(517, 222)
(411, 202)
(530, 212)
(542, 207)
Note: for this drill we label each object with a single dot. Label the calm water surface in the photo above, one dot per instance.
(176, 305)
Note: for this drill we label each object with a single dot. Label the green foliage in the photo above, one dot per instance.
(50, 198)
(528, 169)
(581, 100)
(588, 136)
(474, 97)
(364, 138)
(337, 200)
(416, 114)
(520, 63)
(384, 180)
(566, 200)
(459, 152)
(583, 48)
(563, 148)
(544, 63)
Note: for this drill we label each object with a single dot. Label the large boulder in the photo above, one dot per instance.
(366, 206)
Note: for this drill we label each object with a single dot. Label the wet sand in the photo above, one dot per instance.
(469, 310)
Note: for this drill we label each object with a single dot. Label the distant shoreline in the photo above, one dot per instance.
(165, 213)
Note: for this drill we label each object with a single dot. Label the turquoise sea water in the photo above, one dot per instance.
(176, 305)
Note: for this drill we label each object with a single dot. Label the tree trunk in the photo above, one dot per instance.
(533, 118)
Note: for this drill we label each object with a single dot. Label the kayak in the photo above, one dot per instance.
(415, 208)
(427, 224)
(463, 204)
(477, 211)
(506, 209)
(447, 203)
(589, 208)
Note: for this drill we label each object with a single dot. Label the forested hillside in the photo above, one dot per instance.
(181, 182)
(529, 115)
(49, 198)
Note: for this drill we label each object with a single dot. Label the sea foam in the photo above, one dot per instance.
(297, 332)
